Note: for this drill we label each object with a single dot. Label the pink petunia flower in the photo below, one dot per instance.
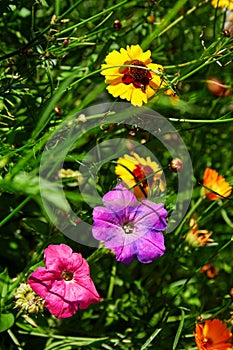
(64, 282)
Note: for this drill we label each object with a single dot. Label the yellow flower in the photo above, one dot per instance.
(133, 169)
(217, 183)
(131, 75)
(223, 3)
(213, 335)
(196, 237)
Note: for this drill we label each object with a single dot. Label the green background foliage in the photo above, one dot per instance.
(50, 63)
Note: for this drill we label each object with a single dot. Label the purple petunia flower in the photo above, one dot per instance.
(130, 228)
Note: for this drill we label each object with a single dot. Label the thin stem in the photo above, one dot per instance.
(14, 339)
(201, 120)
(194, 8)
(89, 19)
(188, 215)
(112, 281)
(14, 211)
(98, 253)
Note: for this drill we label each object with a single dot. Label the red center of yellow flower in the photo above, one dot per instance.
(139, 77)
(67, 275)
(141, 172)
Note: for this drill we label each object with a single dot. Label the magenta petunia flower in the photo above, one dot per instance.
(130, 228)
(64, 282)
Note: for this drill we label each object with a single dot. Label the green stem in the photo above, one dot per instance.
(160, 30)
(14, 211)
(91, 18)
(98, 254)
(188, 215)
(112, 281)
(14, 339)
(201, 121)
(194, 8)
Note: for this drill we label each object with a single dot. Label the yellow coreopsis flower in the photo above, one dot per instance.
(223, 3)
(131, 75)
(133, 169)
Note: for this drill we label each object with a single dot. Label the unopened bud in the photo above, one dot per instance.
(151, 18)
(58, 110)
(117, 24)
(217, 87)
(176, 165)
(65, 42)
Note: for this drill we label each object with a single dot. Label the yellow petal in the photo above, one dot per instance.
(116, 58)
(117, 90)
(138, 97)
(110, 71)
(156, 67)
(149, 91)
(113, 80)
(135, 53)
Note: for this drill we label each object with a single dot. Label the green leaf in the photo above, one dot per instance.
(4, 283)
(153, 335)
(44, 3)
(6, 321)
(179, 330)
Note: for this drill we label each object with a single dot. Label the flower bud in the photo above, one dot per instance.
(58, 110)
(65, 42)
(217, 87)
(176, 165)
(117, 24)
(151, 19)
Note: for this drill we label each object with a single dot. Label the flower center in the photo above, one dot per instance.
(67, 275)
(139, 77)
(128, 227)
(140, 172)
(207, 343)
(137, 73)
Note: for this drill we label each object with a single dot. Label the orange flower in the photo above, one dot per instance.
(209, 270)
(133, 169)
(217, 183)
(131, 75)
(212, 335)
(198, 238)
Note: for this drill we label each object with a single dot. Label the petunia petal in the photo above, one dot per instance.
(63, 297)
(41, 281)
(152, 216)
(150, 247)
(104, 230)
(54, 254)
(59, 307)
(119, 197)
(125, 252)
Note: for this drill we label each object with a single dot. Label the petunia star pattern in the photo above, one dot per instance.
(130, 228)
